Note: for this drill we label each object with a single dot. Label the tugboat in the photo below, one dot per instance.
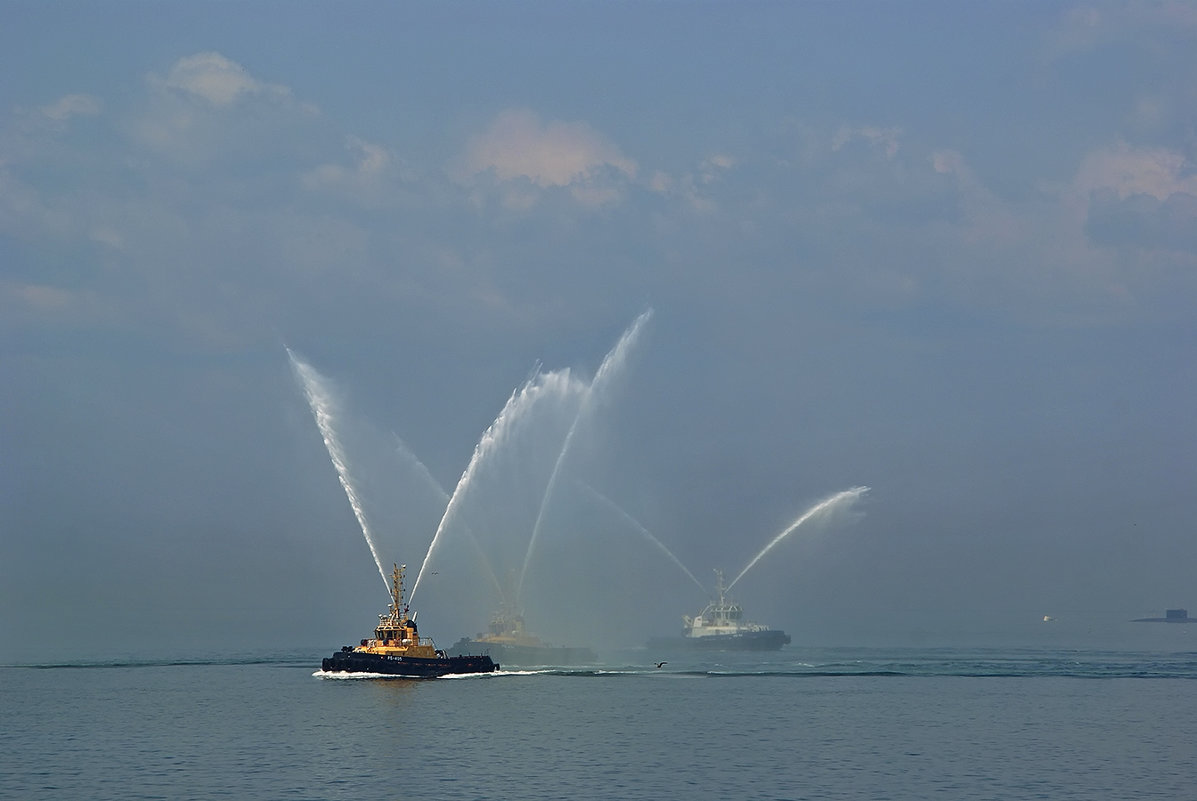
(507, 641)
(398, 650)
(720, 626)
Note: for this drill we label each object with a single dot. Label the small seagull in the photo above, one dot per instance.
(661, 663)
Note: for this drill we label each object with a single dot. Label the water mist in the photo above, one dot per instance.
(847, 497)
(320, 399)
(611, 363)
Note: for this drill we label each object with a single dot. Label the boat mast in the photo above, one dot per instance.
(397, 608)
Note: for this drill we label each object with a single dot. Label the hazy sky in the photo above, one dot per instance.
(944, 250)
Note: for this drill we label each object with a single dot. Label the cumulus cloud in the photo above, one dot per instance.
(45, 304)
(41, 297)
(1056, 253)
(519, 146)
(713, 166)
(948, 162)
(1143, 221)
(72, 106)
(1128, 170)
(986, 218)
(719, 161)
(1141, 197)
(106, 235)
(208, 107)
(884, 140)
(371, 164)
(660, 181)
(694, 187)
(1091, 26)
(216, 79)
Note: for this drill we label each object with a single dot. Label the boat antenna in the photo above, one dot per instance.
(397, 604)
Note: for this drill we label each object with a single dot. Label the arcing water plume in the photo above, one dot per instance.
(321, 402)
(846, 497)
(554, 384)
(611, 363)
(436, 487)
(647, 534)
(429, 479)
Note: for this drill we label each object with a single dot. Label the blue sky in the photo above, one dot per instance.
(943, 250)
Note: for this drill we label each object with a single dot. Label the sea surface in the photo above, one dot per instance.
(799, 724)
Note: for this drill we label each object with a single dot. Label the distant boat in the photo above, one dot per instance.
(1170, 616)
(721, 626)
(507, 641)
(398, 650)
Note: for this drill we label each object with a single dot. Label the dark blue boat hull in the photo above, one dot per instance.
(526, 655)
(350, 661)
(768, 640)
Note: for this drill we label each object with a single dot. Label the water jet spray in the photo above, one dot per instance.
(613, 360)
(822, 507)
(320, 400)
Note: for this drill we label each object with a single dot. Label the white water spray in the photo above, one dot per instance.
(559, 382)
(406, 453)
(826, 505)
(634, 523)
(321, 402)
(610, 365)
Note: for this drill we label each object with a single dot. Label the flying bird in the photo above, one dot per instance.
(662, 663)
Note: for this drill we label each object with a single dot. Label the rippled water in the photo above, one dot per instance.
(834, 724)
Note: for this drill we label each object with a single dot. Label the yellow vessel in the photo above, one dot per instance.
(396, 649)
(508, 641)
